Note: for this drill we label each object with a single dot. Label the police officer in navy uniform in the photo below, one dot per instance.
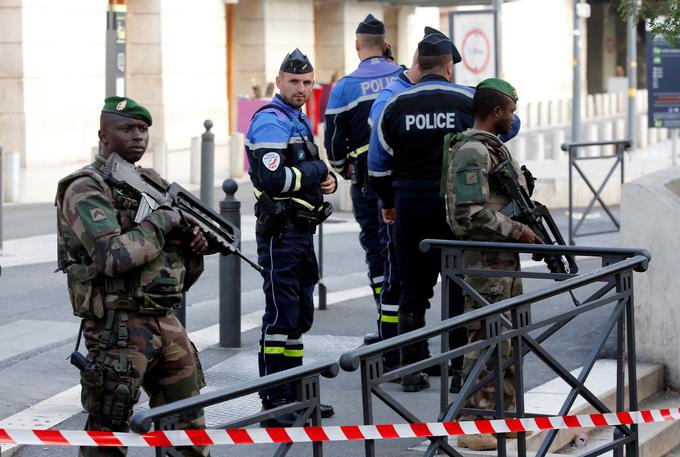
(289, 181)
(406, 174)
(346, 141)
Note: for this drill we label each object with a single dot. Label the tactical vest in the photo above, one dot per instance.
(153, 288)
(495, 201)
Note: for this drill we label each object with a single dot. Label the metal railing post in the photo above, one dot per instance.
(322, 286)
(230, 273)
(207, 163)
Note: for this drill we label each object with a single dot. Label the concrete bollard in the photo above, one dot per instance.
(621, 103)
(518, 147)
(641, 130)
(592, 134)
(558, 138)
(536, 148)
(94, 151)
(652, 135)
(523, 113)
(532, 112)
(613, 104)
(607, 134)
(606, 105)
(663, 134)
(619, 129)
(599, 105)
(544, 113)
(195, 161)
(11, 181)
(207, 164)
(236, 151)
(160, 159)
(590, 107)
(565, 111)
(554, 113)
(230, 274)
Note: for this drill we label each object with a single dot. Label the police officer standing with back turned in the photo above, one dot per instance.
(124, 279)
(289, 180)
(346, 140)
(410, 130)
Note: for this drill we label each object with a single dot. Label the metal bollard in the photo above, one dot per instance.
(12, 169)
(160, 159)
(236, 148)
(230, 273)
(322, 286)
(207, 164)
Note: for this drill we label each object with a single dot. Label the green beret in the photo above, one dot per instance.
(127, 107)
(501, 86)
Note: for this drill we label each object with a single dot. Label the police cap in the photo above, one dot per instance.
(455, 55)
(499, 85)
(124, 106)
(371, 26)
(296, 62)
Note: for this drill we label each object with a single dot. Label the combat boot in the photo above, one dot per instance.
(413, 382)
(483, 442)
(456, 381)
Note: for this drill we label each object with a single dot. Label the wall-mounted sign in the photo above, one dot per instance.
(474, 34)
(663, 83)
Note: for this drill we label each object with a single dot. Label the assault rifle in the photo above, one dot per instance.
(503, 179)
(222, 236)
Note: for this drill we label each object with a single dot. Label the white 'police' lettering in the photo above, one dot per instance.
(373, 86)
(431, 121)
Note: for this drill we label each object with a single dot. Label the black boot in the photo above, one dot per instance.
(326, 411)
(372, 338)
(413, 382)
(281, 420)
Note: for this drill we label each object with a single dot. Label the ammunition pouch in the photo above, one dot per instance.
(160, 296)
(85, 291)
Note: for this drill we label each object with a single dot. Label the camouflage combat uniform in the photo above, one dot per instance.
(123, 280)
(472, 212)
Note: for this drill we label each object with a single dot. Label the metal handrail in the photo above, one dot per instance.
(142, 420)
(615, 279)
(523, 248)
(567, 146)
(349, 361)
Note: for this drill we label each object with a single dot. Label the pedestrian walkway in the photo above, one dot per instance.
(38, 184)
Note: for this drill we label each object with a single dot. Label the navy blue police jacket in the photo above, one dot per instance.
(347, 131)
(411, 131)
(280, 163)
(410, 136)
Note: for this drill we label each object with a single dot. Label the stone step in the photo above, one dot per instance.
(656, 440)
(547, 399)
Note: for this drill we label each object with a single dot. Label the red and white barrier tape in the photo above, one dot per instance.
(330, 433)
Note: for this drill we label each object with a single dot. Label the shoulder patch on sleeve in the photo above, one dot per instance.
(97, 218)
(271, 160)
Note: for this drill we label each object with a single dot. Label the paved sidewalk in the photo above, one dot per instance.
(38, 184)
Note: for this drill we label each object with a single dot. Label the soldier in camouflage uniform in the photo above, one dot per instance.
(472, 213)
(124, 279)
